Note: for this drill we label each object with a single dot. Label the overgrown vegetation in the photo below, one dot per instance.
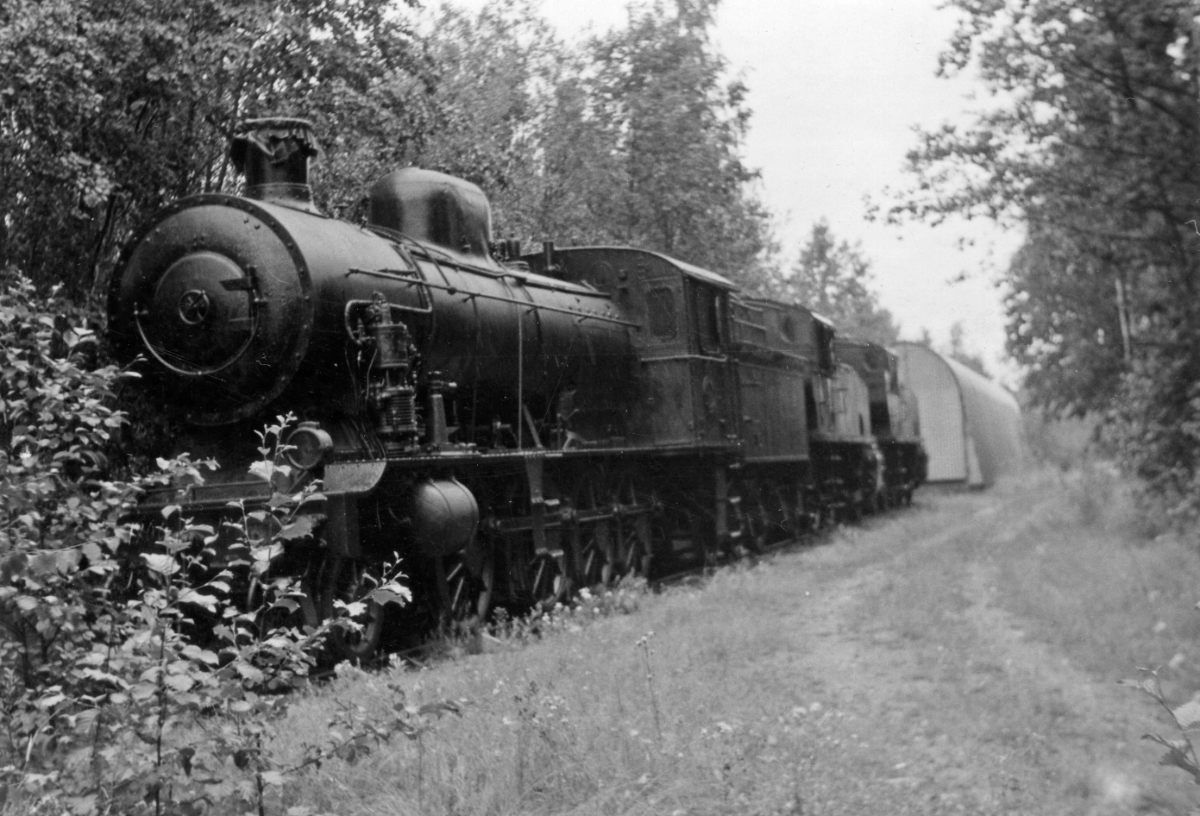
(134, 676)
(1141, 574)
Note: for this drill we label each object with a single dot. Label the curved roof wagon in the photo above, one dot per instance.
(971, 426)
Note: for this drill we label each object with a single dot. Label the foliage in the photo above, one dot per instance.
(1154, 430)
(1090, 142)
(1069, 346)
(110, 110)
(634, 140)
(682, 186)
(132, 679)
(1184, 720)
(58, 513)
(958, 350)
(834, 280)
(497, 122)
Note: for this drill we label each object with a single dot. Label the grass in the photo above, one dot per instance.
(689, 706)
(762, 692)
(600, 719)
(1093, 582)
(625, 715)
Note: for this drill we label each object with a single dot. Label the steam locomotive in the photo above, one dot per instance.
(512, 426)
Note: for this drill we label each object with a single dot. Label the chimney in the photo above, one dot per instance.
(273, 155)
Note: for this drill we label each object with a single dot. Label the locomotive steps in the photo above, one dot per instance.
(959, 658)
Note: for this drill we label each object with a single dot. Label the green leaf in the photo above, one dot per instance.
(143, 691)
(51, 700)
(161, 563)
(191, 596)
(180, 682)
(250, 673)
(13, 566)
(49, 563)
(300, 527)
(393, 594)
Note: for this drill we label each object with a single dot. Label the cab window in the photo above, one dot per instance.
(708, 315)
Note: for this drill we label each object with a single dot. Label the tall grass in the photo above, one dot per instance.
(599, 718)
(1101, 581)
(718, 710)
(1097, 572)
(725, 697)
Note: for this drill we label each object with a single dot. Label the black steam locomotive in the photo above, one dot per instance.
(509, 425)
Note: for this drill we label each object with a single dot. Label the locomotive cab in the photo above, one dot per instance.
(775, 366)
(845, 454)
(685, 394)
(893, 416)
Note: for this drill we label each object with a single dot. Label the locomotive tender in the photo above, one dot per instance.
(509, 425)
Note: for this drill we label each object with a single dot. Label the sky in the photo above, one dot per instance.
(836, 87)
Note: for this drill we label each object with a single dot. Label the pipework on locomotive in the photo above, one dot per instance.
(512, 426)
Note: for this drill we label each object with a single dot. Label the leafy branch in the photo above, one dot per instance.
(1185, 719)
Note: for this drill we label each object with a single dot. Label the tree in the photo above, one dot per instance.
(834, 279)
(1091, 143)
(634, 140)
(111, 109)
(1092, 146)
(1064, 328)
(513, 114)
(959, 353)
(681, 186)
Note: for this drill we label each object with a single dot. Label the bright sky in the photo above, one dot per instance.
(836, 87)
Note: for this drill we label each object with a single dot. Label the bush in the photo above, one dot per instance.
(106, 705)
(1153, 431)
(60, 516)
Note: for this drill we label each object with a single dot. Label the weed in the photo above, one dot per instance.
(1184, 720)
(643, 643)
(586, 607)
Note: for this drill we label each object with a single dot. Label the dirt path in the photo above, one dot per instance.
(931, 698)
